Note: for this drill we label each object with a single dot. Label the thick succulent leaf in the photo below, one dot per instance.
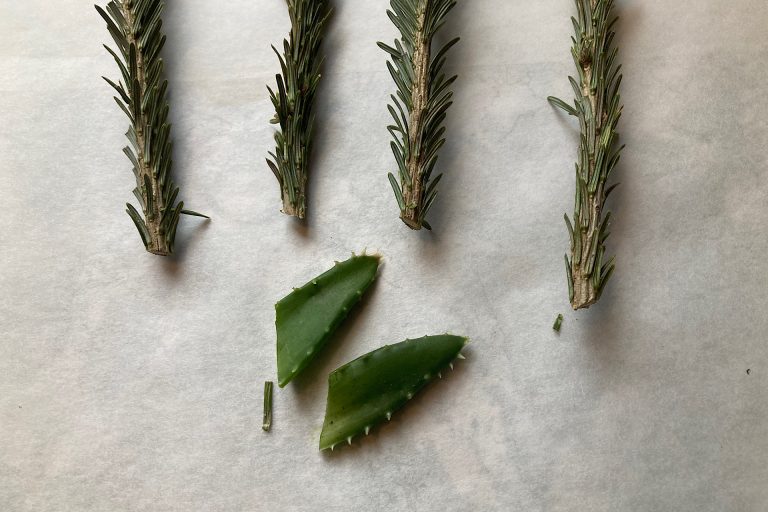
(369, 389)
(307, 317)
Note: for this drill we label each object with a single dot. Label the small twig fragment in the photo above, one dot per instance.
(558, 323)
(267, 424)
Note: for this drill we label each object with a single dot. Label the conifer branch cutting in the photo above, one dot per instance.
(136, 27)
(598, 107)
(294, 99)
(423, 91)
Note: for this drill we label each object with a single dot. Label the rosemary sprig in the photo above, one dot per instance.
(136, 27)
(424, 92)
(296, 87)
(598, 107)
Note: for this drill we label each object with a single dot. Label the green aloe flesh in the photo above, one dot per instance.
(307, 318)
(369, 389)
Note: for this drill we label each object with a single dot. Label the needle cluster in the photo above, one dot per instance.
(294, 98)
(597, 106)
(423, 91)
(136, 28)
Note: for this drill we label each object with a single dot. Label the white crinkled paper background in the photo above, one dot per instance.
(130, 382)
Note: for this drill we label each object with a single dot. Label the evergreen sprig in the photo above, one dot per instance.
(294, 99)
(136, 27)
(598, 107)
(423, 91)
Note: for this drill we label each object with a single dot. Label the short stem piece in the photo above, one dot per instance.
(267, 423)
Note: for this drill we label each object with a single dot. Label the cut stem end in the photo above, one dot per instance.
(411, 220)
(297, 210)
(584, 293)
(158, 245)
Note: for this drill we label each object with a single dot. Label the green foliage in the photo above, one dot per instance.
(423, 91)
(296, 88)
(597, 106)
(308, 317)
(369, 389)
(136, 28)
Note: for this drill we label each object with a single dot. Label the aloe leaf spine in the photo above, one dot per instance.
(368, 390)
(307, 318)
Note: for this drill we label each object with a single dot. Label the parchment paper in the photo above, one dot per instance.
(130, 382)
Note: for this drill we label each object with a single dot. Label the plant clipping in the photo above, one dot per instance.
(423, 91)
(307, 318)
(368, 390)
(598, 108)
(266, 424)
(136, 27)
(294, 99)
